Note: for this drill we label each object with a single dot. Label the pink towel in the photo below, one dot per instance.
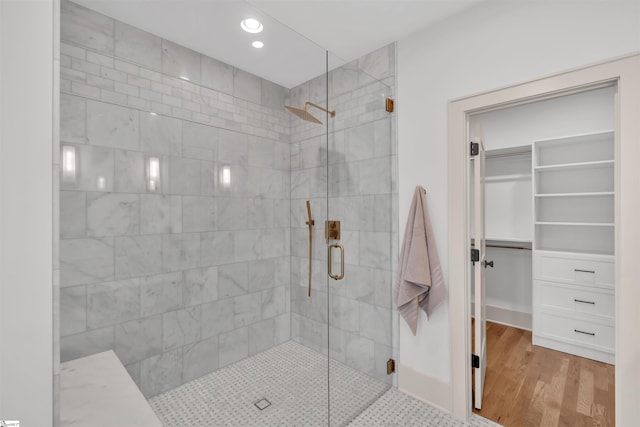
(419, 281)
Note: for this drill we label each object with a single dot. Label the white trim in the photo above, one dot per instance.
(425, 388)
(625, 72)
(508, 317)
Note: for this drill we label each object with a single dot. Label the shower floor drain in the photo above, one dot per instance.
(262, 404)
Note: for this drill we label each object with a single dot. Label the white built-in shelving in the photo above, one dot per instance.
(573, 245)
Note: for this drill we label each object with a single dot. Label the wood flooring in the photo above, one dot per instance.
(529, 385)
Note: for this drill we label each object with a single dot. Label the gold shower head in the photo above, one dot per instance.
(305, 115)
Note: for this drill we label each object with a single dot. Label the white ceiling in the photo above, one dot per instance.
(296, 32)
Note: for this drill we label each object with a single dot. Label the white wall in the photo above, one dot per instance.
(492, 45)
(26, 100)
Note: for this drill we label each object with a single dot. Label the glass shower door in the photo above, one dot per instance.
(360, 244)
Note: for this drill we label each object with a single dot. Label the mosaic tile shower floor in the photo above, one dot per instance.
(293, 379)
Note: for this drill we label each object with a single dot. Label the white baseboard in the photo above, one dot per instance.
(425, 388)
(505, 316)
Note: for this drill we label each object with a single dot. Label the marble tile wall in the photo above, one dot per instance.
(361, 179)
(194, 276)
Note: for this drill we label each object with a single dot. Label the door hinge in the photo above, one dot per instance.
(391, 366)
(475, 361)
(475, 255)
(475, 148)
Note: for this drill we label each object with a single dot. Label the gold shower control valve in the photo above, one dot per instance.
(332, 229)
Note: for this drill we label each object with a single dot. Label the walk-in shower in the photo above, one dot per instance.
(212, 286)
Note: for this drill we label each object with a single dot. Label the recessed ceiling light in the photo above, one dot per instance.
(185, 78)
(257, 44)
(251, 25)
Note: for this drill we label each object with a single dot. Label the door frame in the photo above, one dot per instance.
(624, 72)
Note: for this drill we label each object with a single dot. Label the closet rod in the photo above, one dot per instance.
(519, 153)
(524, 248)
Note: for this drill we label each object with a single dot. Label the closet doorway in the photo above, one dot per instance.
(622, 74)
(542, 198)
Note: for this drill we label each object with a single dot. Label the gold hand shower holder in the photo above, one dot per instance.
(310, 223)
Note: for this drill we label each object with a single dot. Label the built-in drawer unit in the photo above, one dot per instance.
(575, 298)
(581, 269)
(575, 333)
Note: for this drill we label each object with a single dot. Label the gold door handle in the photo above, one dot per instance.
(310, 223)
(341, 275)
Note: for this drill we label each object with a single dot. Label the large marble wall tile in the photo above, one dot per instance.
(247, 245)
(260, 152)
(86, 261)
(112, 302)
(375, 250)
(86, 27)
(130, 172)
(180, 251)
(138, 46)
(160, 214)
(201, 136)
(138, 339)
(233, 346)
(247, 309)
(217, 317)
(112, 214)
(383, 211)
(360, 353)
(247, 86)
(233, 280)
(110, 125)
(262, 274)
(375, 176)
(73, 119)
(359, 283)
(160, 294)
(200, 359)
(383, 138)
(73, 310)
(217, 248)
(261, 213)
(273, 302)
(378, 64)
(233, 214)
(160, 134)
(200, 286)
(261, 336)
(181, 327)
(73, 214)
(382, 354)
(359, 142)
(199, 213)
(282, 214)
(375, 323)
(161, 373)
(382, 283)
(338, 344)
(343, 79)
(86, 343)
(282, 325)
(233, 148)
(185, 176)
(217, 75)
(272, 95)
(344, 314)
(95, 169)
(178, 61)
(313, 334)
(138, 256)
(282, 156)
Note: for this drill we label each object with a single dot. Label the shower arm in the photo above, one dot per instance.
(331, 113)
(310, 223)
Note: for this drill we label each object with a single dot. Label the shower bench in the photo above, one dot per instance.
(97, 391)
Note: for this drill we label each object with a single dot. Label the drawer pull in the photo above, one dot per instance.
(583, 332)
(584, 302)
(584, 271)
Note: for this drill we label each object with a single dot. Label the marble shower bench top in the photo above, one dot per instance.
(97, 391)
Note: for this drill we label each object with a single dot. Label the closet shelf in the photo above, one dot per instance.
(587, 194)
(501, 178)
(585, 224)
(598, 163)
